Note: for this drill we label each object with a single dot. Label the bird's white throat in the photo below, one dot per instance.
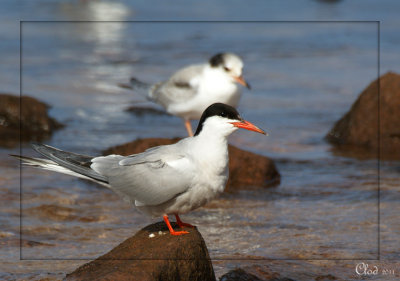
(211, 144)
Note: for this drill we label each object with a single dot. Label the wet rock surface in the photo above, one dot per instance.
(141, 111)
(152, 254)
(239, 274)
(327, 277)
(372, 123)
(246, 169)
(36, 125)
(253, 273)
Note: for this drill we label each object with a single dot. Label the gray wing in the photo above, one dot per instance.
(181, 87)
(151, 178)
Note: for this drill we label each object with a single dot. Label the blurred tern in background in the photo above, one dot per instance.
(190, 90)
(163, 180)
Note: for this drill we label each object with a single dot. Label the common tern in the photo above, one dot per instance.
(190, 90)
(163, 180)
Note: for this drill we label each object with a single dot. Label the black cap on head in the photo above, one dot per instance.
(218, 109)
(217, 60)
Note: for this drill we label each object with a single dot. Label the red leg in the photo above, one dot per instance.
(188, 127)
(171, 230)
(181, 223)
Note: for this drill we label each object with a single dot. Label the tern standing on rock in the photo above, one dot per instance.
(168, 179)
(190, 90)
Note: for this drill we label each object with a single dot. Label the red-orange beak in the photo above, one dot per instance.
(248, 126)
(243, 82)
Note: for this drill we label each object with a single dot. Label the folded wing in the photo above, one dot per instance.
(181, 87)
(149, 178)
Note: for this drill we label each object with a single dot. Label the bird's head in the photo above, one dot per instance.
(223, 119)
(231, 65)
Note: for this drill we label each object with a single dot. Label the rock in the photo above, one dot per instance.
(356, 133)
(239, 274)
(35, 122)
(140, 111)
(327, 277)
(246, 169)
(138, 146)
(253, 273)
(143, 257)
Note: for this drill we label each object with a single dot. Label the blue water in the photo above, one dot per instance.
(305, 75)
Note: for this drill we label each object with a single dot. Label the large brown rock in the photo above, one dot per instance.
(143, 257)
(373, 123)
(246, 169)
(35, 122)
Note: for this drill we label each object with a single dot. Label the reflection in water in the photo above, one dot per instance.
(96, 10)
(104, 34)
(107, 28)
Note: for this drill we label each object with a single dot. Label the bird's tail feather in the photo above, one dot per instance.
(138, 86)
(63, 162)
(49, 165)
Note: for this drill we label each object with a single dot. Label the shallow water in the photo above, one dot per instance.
(304, 77)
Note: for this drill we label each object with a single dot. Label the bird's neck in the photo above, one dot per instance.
(209, 139)
(215, 76)
(212, 150)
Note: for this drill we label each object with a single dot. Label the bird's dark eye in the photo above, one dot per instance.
(222, 114)
(226, 69)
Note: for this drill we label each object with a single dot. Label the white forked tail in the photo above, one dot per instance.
(63, 162)
(142, 88)
(49, 165)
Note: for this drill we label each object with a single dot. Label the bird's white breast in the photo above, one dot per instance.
(210, 159)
